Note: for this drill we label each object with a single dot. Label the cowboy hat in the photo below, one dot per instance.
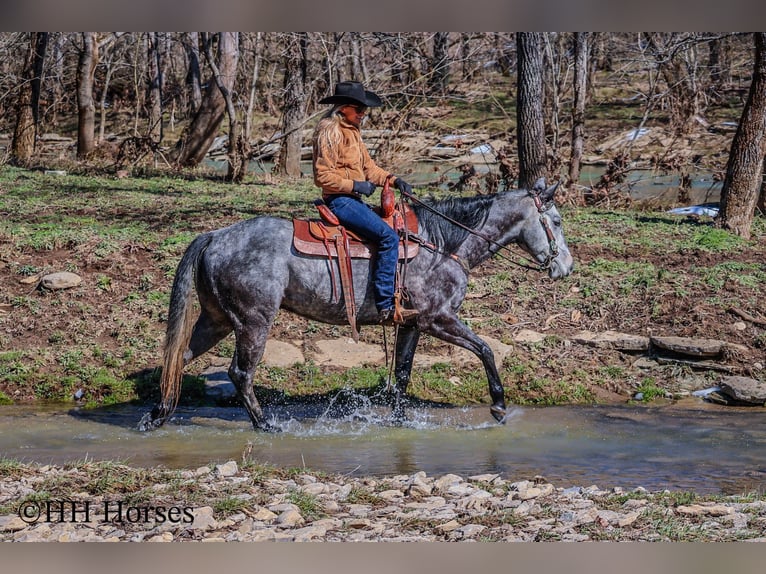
(352, 93)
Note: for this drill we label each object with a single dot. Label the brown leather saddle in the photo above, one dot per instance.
(324, 237)
(318, 236)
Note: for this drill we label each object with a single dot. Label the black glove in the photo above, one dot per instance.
(364, 188)
(403, 186)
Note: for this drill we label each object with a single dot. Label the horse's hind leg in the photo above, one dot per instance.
(251, 341)
(208, 331)
(406, 342)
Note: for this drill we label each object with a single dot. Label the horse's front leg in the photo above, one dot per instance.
(406, 342)
(452, 330)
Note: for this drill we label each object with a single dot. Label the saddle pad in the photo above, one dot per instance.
(310, 235)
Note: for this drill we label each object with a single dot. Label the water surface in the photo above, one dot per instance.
(705, 448)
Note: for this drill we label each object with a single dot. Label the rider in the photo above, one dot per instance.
(345, 171)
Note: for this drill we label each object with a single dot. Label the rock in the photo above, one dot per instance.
(280, 354)
(701, 348)
(700, 510)
(612, 340)
(628, 519)
(744, 390)
(60, 280)
(444, 482)
(469, 531)
(448, 526)
(11, 524)
(264, 515)
(203, 519)
(289, 519)
(348, 354)
(227, 469)
(528, 336)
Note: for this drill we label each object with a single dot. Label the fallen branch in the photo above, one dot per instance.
(747, 317)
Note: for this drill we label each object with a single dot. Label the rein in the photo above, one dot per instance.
(541, 209)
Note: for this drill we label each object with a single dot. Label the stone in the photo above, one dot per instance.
(280, 354)
(60, 280)
(227, 469)
(218, 385)
(348, 354)
(693, 347)
(203, 519)
(264, 515)
(628, 519)
(448, 526)
(744, 390)
(444, 482)
(528, 336)
(290, 519)
(470, 530)
(308, 533)
(612, 340)
(11, 524)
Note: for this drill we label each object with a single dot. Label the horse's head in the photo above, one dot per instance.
(543, 233)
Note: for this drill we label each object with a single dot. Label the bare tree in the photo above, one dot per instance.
(578, 109)
(440, 64)
(27, 116)
(199, 136)
(253, 86)
(744, 170)
(294, 107)
(86, 73)
(154, 90)
(193, 74)
(237, 145)
(529, 108)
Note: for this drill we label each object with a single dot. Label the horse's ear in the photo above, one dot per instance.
(539, 186)
(546, 194)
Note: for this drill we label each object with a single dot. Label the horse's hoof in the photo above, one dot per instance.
(498, 413)
(148, 422)
(268, 427)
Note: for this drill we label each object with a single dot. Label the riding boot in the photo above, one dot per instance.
(392, 317)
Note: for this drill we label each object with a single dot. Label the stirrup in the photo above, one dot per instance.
(396, 316)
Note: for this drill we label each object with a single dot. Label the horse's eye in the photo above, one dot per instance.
(556, 221)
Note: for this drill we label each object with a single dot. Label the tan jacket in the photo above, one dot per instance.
(336, 167)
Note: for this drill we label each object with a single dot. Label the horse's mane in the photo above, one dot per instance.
(470, 211)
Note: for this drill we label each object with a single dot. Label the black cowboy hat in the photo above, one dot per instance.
(352, 93)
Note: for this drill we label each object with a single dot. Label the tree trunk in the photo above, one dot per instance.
(253, 86)
(193, 74)
(86, 108)
(27, 118)
(440, 64)
(578, 110)
(529, 108)
(196, 142)
(154, 91)
(742, 184)
(294, 106)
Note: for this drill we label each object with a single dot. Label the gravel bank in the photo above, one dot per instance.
(229, 502)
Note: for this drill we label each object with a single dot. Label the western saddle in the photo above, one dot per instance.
(325, 237)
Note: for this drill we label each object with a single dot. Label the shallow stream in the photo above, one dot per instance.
(701, 447)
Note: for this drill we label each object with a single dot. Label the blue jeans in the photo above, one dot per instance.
(359, 217)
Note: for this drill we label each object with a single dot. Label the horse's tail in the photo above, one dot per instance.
(180, 323)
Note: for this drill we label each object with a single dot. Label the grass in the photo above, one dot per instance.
(126, 237)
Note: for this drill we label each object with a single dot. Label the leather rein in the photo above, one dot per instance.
(528, 263)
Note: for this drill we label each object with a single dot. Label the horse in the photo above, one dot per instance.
(245, 273)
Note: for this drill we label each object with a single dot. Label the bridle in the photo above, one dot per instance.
(553, 248)
(528, 263)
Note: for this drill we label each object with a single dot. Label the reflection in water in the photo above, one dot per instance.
(704, 448)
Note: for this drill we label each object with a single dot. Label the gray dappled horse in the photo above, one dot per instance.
(246, 272)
